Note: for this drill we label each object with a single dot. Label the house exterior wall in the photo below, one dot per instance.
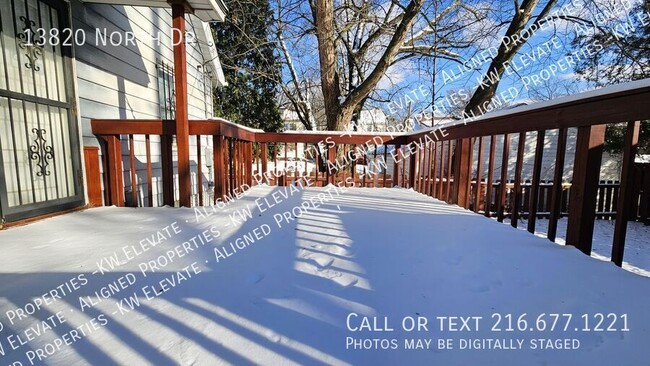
(122, 81)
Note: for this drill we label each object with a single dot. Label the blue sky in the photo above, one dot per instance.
(411, 80)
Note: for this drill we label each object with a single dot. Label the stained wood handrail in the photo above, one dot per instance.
(436, 161)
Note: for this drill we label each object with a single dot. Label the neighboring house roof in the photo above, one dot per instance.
(206, 10)
(374, 115)
(289, 115)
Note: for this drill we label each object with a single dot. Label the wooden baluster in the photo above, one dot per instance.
(586, 171)
(420, 169)
(516, 192)
(443, 173)
(467, 181)
(403, 168)
(167, 166)
(375, 176)
(199, 173)
(275, 163)
(317, 161)
(385, 164)
(147, 142)
(264, 161)
(644, 210)
(434, 165)
(249, 164)
(534, 187)
(625, 192)
(304, 158)
(441, 184)
(490, 177)
(601, 200)
(449, 161)
(219, 173)
(285, 175)
(423, 168)
(354, 168)
(242, 163)
(501, 203)
(479, 177)
(345, 155)
(133, 173)
(258, 158)
(231, 165)
(395, 177)
(429, 169)
(331, 158)
(412, 168)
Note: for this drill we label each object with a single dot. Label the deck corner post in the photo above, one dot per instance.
(582, 200)
(461, 170)
(625, 193)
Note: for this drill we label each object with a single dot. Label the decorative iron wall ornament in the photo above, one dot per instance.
(27, 42)
(41, 152)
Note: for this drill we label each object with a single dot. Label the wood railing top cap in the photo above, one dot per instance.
(256, 130)
(570, 99)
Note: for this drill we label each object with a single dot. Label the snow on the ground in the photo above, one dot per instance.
(285, 298)
(636, 257)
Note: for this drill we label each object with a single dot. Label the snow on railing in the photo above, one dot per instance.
(456, 163)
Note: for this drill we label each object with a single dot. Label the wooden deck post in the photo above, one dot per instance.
(115, 187)
(582, 201)
(625, 193)
(181, 113)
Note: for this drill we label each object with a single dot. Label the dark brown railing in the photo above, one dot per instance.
(436, 162)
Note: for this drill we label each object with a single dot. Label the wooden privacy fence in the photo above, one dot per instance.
(436, 162)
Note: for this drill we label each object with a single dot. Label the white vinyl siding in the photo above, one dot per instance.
(121, 82)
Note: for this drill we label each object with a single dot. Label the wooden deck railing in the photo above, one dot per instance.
(436, 162)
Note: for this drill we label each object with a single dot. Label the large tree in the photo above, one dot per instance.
(347, 48)
(625, 56)
(250, 66)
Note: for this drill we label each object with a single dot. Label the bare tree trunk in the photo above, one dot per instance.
(323, 12)
(339, 110)
(486, 91)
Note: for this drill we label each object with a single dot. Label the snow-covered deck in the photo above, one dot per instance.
(285, 298)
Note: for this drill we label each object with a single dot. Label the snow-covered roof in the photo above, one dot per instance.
(206, 10)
